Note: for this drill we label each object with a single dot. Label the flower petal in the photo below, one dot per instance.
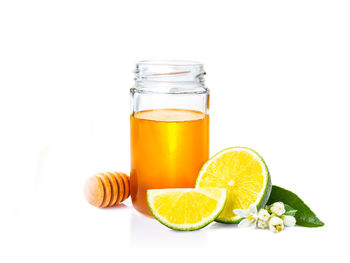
(289, 220)
(241, 212)
(244, 223)
(275, 221)
(278, 208)
(272, 228)
(262, 224)
(252, 209)
(263, 214)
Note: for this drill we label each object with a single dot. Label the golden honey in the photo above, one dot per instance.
(168, 148)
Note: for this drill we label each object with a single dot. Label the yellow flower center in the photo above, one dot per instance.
(279, 228)
(250, 217)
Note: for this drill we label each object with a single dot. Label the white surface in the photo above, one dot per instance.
(279, 78)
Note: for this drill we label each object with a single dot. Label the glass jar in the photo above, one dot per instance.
(169, 125)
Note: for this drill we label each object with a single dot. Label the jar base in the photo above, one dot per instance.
(142, 210)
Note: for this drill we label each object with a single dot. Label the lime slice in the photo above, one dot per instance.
(186, 208)
(245, 176)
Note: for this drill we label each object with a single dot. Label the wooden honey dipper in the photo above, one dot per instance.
(107, 189)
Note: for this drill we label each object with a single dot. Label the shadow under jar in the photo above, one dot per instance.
(169, 125)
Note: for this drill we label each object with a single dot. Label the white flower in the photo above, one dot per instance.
(262, 224)
(263, 215)
(288, 220)
(278, 208)
(250, 216)
(276, 224)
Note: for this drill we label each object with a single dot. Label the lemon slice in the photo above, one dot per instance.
(186, 208)
(245, 176)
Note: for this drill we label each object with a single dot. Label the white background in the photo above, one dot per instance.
(278, 72)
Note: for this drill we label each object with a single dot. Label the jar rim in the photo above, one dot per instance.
(173, 70)
(170, 62)
(169, 76)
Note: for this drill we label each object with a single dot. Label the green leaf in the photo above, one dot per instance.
(289, 210)
(304, 215)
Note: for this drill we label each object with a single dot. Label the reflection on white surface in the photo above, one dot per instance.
(146, 232)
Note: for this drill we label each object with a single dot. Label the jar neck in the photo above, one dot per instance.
(169, 77)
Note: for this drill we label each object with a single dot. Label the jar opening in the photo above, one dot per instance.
(169, 70)
(169, 62)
